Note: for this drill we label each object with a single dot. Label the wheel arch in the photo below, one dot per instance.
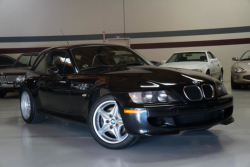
(95, 94)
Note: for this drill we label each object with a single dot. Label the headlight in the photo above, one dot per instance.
(221, 90)
(239, 70)
(20, 78)
(152, 97)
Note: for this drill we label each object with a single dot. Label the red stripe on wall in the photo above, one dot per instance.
(20, 50)
(148, 45)
(191, 44)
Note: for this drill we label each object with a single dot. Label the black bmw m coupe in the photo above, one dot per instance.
(120, 94)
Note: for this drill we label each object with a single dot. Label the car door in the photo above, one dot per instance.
(54, 89)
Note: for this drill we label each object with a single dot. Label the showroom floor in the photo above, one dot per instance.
(61, 143)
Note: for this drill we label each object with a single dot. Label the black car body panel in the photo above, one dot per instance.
(72, 95)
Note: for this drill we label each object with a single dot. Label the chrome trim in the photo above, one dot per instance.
(194, 79)
(11, 78)
(150, 86)
(168, 84)
(213, 93)
(198, 89)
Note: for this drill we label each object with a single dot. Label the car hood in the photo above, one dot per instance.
(14, 71)
(185, 65)
(243, 64)
(156, 74)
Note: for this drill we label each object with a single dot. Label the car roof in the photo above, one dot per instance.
(7, 57)
(30, 53)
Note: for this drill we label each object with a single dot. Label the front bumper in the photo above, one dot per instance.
(9, 87)
(241, 78)
(171, 119)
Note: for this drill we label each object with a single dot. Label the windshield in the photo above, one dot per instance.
(100, 56)
(246, 56)
(25, 61)
(22, 61)
(188, 56)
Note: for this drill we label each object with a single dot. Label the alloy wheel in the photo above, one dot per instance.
(108, 123)
(25, 105)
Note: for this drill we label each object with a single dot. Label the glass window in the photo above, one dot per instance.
(246, 56)
(33, 59)
(188, 56)
(56, 59)
(22, 61)
(210, 55)
(68, 67)
(5, 60)
(40, 66)
(106, 55)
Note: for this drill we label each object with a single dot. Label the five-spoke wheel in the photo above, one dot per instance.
(107, 126)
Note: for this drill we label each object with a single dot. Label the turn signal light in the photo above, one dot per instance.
(129, 111)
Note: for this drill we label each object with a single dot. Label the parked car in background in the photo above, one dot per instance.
(201, 61)
(10, 78)
(6, 61)
(121, 94)
(240, 71)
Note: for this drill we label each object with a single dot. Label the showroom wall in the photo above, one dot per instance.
(156, 28)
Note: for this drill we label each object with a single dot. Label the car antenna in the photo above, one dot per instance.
(64, 36)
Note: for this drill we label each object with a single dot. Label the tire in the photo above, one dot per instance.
(208, 73)
(28, 108)
(221, 76)
(234, 85)
(106, 122)
(2, 93)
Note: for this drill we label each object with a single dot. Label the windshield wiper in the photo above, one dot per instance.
(96, 67)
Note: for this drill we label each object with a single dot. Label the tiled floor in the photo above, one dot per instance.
(61, 143)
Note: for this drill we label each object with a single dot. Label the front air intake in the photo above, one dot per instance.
(193, 93)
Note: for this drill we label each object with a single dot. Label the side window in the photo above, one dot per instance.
(68, 67)
(56, 59)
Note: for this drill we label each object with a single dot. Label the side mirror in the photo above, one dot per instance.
(235, 59)
(53, 70)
